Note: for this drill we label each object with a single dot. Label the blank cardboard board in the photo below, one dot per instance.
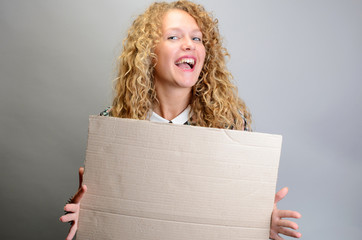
(154, 181)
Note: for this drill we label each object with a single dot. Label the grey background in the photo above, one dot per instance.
(298, 66)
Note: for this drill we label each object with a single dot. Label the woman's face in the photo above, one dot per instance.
(180, 51)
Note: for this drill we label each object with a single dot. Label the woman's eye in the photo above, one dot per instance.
(196, 39)
(172, 37)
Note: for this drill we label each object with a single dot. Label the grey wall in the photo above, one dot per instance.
(298, 66)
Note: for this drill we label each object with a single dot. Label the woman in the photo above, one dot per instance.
(172, 69)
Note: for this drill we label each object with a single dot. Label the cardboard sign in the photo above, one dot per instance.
(154, 181)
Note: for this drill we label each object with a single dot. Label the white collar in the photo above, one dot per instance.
(180, 119)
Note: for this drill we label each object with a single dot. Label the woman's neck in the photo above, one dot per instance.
(171, 103)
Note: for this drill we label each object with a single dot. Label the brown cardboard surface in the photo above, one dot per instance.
(153, 181)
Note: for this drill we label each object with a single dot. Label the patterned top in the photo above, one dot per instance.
(156, 118)
(106, 112)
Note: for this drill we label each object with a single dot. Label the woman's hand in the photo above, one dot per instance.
(72, 208)
(278, 224)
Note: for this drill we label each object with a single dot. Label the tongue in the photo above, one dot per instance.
(184, 66)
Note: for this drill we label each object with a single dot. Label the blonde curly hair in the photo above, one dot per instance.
(214, 103)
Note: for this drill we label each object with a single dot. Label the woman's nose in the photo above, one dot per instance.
(188, 44)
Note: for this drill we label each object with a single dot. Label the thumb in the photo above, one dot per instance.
(280, 195)
(81, 172)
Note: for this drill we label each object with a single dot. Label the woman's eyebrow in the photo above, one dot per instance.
(196, 30)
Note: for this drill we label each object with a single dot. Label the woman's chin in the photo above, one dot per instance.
(185, 83)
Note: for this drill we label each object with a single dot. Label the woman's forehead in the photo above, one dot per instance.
(176, 19)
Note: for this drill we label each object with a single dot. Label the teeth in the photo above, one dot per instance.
(186, 60)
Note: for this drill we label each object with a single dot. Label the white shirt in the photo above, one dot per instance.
(180, 119)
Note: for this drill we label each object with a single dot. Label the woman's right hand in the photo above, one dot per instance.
(73, 208)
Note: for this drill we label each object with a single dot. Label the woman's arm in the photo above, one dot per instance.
(72, 208)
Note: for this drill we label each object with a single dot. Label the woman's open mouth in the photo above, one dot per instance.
(186, 63)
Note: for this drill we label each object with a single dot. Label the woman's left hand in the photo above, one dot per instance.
(278, 224)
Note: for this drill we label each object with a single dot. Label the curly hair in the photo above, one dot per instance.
(214, 103)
